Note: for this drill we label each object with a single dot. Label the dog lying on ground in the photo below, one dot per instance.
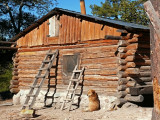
(94, 103)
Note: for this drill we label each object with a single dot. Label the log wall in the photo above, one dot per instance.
(99, 59)
(134, 65)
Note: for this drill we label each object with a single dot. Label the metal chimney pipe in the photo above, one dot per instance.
(83, 9)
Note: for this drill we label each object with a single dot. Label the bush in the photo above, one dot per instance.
(5, 77)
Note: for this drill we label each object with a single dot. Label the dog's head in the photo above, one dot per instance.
(91, 93)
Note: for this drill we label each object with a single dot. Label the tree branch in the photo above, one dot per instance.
(20, 15)
(11, 16)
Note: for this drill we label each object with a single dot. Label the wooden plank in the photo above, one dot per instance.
(71, 29)
(76, 29)
(97, 30)
(83, 30)
(90, 27)
(65, 22)
(62, 21)
(46, 32)
(68, 30)
(53, 40)
(79, 29)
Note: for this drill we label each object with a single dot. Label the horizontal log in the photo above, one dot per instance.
(100, 78)
(144, 68)
(130, 58)
(15, 69)
(98, 55)
(122, 55)
(122, 49)
(110, 37)
(95, 43)
(130, 65)
(121, 87)
(100, 72)
(122, 74)
(98, 66)
(122, 68)
(122, 43)
(122, 81)
(15, 73)
(16, 60)
(14, 90)
(133, 46)
(145, 74)
(132, 71)
(130, 98)
(121, 94)
(15, 78)
(131, 52)
(144, 63)
(140, 79)
(100, 60)
(131, 84)
(133, 40)
(127, 90)
(15, 64)
(122, 61)
(13, 86)
(14, 82)
(120, 101)
(138, 35)
(141, 90)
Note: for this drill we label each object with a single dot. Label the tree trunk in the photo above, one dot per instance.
(155, 56)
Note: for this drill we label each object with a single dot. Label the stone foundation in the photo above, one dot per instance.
(19, 98)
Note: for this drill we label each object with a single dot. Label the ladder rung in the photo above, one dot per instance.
(43, 69)
(67, 99)
(40, 76)
(71, 89)
(51, 86)
(49, 96)
(35, 86)
(47, 61)
(77, 71)
(76, 80)
(50, 53)
(30, 95)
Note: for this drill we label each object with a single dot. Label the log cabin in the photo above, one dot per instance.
(115, 54)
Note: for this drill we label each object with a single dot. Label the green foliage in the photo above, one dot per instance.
(125, 10)
(16, 15)
(5, 77)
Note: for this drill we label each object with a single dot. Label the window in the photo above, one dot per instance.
(69, 63)
(53, 26)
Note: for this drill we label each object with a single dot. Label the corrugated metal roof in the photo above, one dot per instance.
(124, 25)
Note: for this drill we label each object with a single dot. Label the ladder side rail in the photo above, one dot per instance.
(42, 81)
(73, 95)
(36, 79)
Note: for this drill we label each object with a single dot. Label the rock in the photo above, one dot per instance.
(16, 100)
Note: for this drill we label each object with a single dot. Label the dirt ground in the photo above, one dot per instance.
(128, 112)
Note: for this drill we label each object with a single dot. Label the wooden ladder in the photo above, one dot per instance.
(76, 77)
(45, 67)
